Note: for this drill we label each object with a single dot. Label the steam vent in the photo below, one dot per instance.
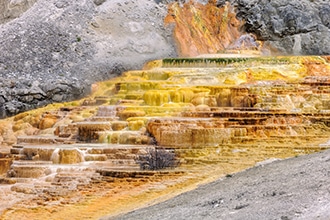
(217, 115)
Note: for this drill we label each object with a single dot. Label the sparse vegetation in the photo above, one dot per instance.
(157, 158)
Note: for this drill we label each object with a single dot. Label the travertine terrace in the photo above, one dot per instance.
(219, 115)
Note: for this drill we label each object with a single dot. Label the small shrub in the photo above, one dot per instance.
(156, 159)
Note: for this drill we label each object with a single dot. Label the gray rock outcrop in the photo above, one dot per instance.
(11, 9)
(288, 26)
(53, 50)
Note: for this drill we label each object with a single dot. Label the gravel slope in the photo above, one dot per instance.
(296, 188)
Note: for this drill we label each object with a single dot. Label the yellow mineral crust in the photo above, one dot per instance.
(219, 114)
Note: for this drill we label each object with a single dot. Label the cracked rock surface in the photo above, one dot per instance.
(289, 27)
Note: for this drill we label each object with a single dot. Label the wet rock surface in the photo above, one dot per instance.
(210, 116)
(204, 28)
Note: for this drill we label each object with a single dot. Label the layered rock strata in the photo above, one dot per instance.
(218, 115)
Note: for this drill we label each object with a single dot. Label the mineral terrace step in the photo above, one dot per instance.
(278, 138)
(79, 152)
(118, 162)
(31, 163)
(202, 161)
(36, 169)
(103, 119)
(28, 171)
(122, 137)
(95, 157)
(5, 153)
(5, 180)
(15, 150)
(238, 153)
(40, 140)
(5, 164)
(87, 146)
(137, 173)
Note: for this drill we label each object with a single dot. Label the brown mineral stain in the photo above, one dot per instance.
(203, 29)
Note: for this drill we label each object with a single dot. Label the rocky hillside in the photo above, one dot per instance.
(289, 26)
(53, 51)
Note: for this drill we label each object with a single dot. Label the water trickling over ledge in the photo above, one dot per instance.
(219, 115)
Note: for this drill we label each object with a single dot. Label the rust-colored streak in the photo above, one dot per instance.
(317, 67)
(201, 29)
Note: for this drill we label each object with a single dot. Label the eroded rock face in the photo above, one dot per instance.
(284, 27)
(289, 27)
(10, 10)
(52, 51)
(203, 28)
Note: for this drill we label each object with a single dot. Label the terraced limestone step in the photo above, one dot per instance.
(61, 154)
(49, 139)
(226, 112)
(29, 169)
(123, 137)
(252, 152)
(138, 174)
(5, 164)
